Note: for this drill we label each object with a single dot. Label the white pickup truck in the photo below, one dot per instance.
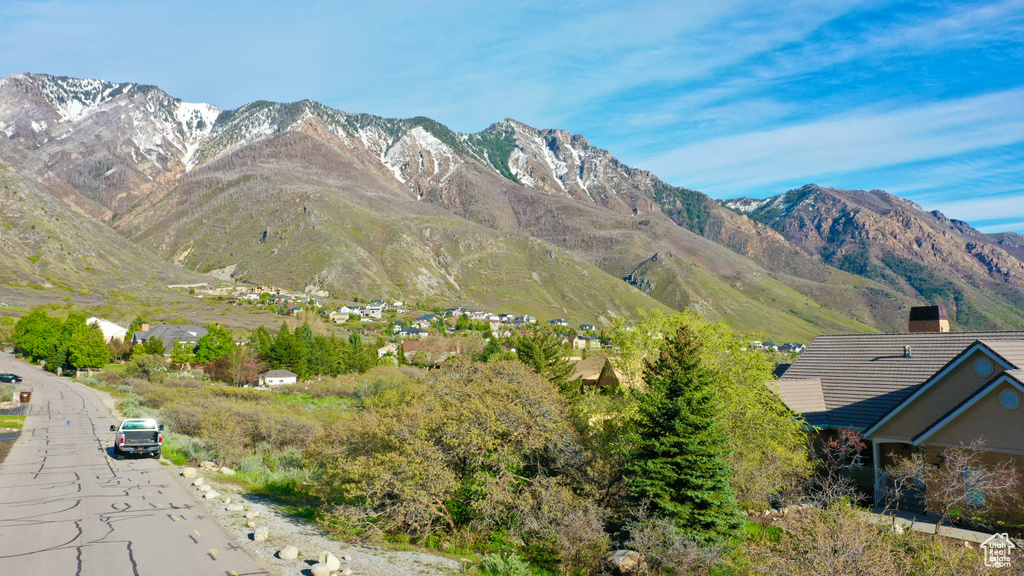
(138, 436)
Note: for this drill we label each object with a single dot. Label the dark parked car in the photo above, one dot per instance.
(10, 378)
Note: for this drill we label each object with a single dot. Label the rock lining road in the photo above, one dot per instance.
(67, 507)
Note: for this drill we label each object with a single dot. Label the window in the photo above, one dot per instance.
(982, 367)
(1009, 399)
(975, 496)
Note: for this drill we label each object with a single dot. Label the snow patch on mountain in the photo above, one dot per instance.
(414, 147)
(196, 121)
(745, 205)
(519, 166)
(75, 98)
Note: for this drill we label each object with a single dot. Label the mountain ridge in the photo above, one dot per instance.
(173, 178)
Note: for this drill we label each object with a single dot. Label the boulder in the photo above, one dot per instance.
(227, 471)
(288, 553)
(330, 560)
(261, 534)
(235, 508)
(346, 572)
(319, 569)
(250, 524)
(189, 472)
(251, 515)
(199, 481)
(211, 494)
(625, 561)
(207, 465)
(205, 487)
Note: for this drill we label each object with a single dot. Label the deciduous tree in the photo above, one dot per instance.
(216, 343)
(37, 333)
(88, 348)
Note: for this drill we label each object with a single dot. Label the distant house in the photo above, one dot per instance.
(412, 332)
(587, 328)
(525, 319)
(294, 310)
(431, 352)
(350, 310)
(558, 322)
(595, 371)
(579, 342)
(385, 350)
(168, 333)
(278, 378)
(410, 348)
(372, 312)
(506, 317)
(792, 347)
(110, 330)
(278, 300)
(249, 296)
(377, 305)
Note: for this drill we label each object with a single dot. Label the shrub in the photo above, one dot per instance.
(503, 565)
(664, 550)
(182, 449)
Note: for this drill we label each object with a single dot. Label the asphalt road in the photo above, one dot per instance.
(67, 507)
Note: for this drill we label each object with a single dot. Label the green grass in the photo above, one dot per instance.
(11, 421)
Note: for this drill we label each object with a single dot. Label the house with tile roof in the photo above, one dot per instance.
(169, 333)
(913, 392)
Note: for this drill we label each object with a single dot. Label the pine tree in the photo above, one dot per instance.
(545, 354)
(679, 460)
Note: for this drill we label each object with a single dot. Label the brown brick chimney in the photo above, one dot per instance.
(929, 319)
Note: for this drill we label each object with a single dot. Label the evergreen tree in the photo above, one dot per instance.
(680, 454)
(545, 354)
(136, 324)
(57, 359)
(288, 352)
(261, 341)
(492, 348)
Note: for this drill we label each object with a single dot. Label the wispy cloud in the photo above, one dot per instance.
(846, 143)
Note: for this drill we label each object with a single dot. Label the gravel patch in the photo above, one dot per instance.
(311, 541)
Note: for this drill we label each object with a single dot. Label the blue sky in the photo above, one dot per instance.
(733, 98)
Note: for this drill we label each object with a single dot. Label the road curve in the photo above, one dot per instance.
(67, 507)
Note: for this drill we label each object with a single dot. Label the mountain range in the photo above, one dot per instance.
(110, 186)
